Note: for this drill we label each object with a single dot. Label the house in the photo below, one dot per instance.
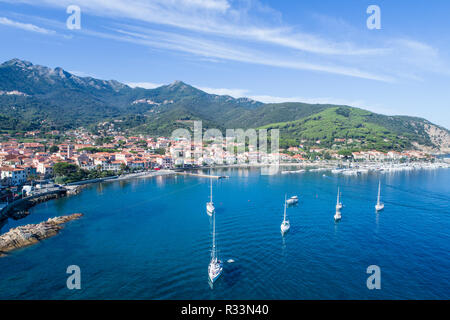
(13, 176)
(45, 168)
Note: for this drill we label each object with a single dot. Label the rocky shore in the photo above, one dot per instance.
(32, 233)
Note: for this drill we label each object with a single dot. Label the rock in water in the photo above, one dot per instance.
(32, 233)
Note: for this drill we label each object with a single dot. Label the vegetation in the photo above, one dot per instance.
(53, 149)
(343, 128)
(67, 173)
(98, 149)
(56, 99)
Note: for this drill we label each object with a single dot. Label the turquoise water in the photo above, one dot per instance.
(150, 239)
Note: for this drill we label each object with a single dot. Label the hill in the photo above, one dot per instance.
(33, 96)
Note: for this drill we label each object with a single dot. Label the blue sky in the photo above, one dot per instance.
(272, 51)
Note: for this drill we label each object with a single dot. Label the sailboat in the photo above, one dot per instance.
(285, 225)
(292, 200)
(210, 209)
(338, 202)
(379, 206)
(215, 267)
(337, 216)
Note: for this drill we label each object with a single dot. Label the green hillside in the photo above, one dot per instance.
(37, 97)
(360, 129)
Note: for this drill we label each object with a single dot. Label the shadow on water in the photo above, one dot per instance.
(232, 273)
(293, 230)
(2, 224)
(220, 210)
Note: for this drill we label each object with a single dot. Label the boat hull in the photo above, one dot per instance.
(337, 216)
(215, 270)
(285, 226)
(210, 209)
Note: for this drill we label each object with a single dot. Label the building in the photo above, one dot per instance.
(13, 176)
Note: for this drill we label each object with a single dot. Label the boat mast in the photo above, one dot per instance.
(211, 190)
(284, 218)
(213, 252)
(337, 197)
(379, 188)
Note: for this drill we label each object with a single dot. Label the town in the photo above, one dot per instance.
(31, 159)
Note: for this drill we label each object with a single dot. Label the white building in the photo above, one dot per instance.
(13, 176)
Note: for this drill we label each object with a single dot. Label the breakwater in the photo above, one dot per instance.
(30, 234)
(19, 208)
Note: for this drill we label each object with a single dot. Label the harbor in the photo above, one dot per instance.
(157, 232)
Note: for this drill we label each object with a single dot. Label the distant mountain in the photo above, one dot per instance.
(33, 96)
(57, 98)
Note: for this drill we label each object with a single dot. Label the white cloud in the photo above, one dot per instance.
(210, 49)
(145, 85)
(216, 17)
(241, 30)
(276, 99)
(245, 93)
(235, 93)
(24, 26)
(221, 5)
(374, 107)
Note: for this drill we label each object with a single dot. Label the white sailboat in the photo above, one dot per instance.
(210, 209)
(292, 200)
(379, 206)
(338, 202)
(337, 216)
(215, 267)
(285, 225)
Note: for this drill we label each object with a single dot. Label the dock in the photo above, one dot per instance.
(202, 175)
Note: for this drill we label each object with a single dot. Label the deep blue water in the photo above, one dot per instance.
(150, 239)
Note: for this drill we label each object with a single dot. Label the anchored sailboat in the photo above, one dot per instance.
(337, 216)
(292, 200)
(285, 225)
(379, 206)
(215, 267)
(338, 203)
(210, 209)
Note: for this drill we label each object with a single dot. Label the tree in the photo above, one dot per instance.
(62, 169)
(53, 149)
(32, 178)
(160, 151)
(346, 153)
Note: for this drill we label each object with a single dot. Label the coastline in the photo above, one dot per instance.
(27, 235)
(75, 187)
(126, 222)
(19, 208)
(355, 170)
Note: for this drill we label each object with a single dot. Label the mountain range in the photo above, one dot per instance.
(38, 97)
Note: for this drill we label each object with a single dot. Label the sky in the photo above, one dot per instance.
(271, 51)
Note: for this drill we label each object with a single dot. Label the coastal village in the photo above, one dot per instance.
(34, 157)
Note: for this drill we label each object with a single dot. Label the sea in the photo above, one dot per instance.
(150, 238)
